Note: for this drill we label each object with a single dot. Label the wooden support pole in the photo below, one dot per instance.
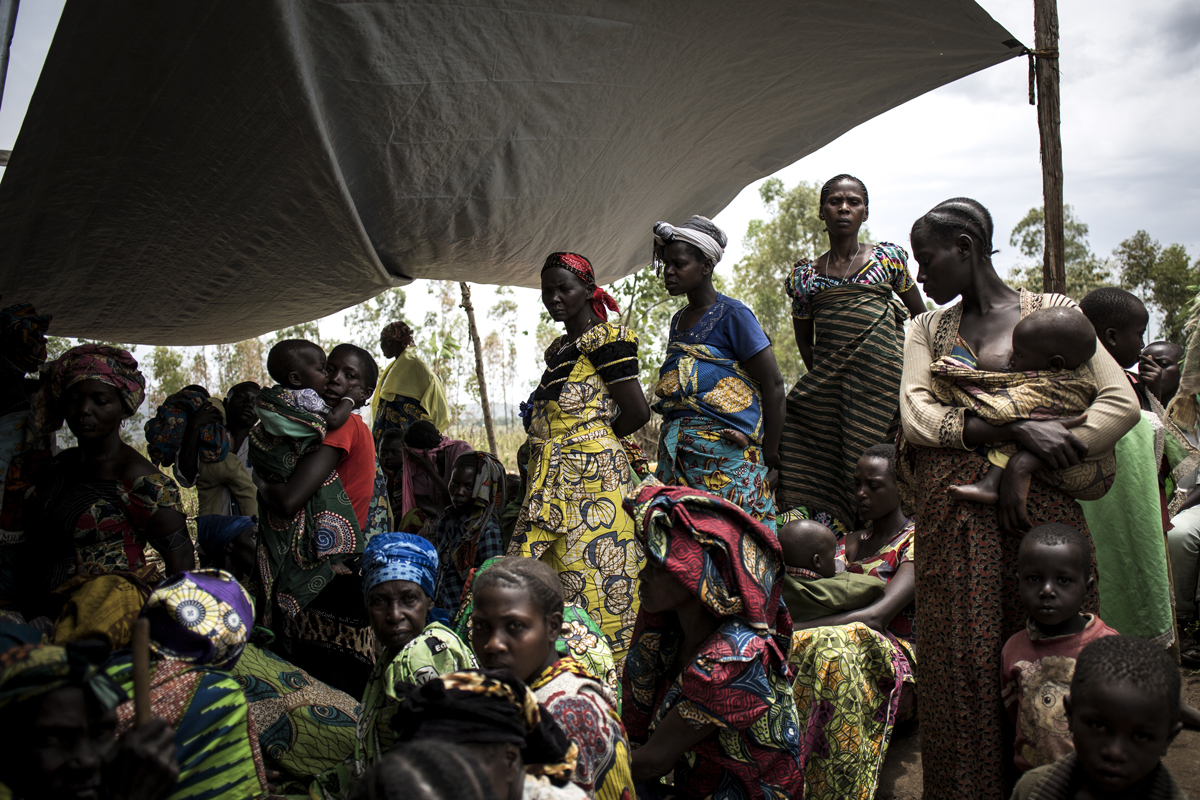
(8, 23)
(483, 397)
(1045, 25)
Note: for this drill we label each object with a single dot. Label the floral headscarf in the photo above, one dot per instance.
(22, 338)
(164, 433)
(397, 333)
(31, 670)
(201, 617)
(602, 302)
(100, 362)
(399, 557)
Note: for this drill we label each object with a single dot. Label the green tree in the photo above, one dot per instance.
(501, 349)
(367, 319)
(1085, 270)
(647, 309)
(1165, 275)
(168, 374)
(240, 361)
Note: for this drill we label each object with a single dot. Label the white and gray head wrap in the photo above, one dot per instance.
(699, 231)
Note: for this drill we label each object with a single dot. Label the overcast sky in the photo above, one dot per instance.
(1131, 152)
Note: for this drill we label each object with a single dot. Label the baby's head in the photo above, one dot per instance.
(1052, 339)
(808, 544)
(1120, 320)
(1054, 574)
(1124, 711)
(297, 364)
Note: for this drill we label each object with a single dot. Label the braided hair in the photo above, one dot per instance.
(955, 216)
(424, 770)
(536, 577)
(835, 180)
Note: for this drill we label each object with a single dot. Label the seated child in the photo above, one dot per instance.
(391, 461)
(467, 533)
(1047, 379)
(815, 584)
(1054, 574)
(1123, 711)
(298, 366)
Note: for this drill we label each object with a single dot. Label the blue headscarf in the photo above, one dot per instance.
(399, 557)
(214, 531)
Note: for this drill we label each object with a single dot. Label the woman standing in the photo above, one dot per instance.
(408, 389)
(966, 576)
(720, 388)
(588, 398)
(850, 331)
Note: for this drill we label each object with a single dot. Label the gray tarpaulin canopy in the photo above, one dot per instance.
(203, 172)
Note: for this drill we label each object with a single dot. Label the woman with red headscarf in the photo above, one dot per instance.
(588, 398)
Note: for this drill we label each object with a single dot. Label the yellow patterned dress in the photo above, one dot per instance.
(572, 518)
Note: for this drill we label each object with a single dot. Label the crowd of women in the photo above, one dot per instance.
(383, 611)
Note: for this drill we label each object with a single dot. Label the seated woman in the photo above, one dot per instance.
(64, 707)
(399, 571)
(408, 390)
(99, 503)
(857, 669)
(467, 533)
(425, 476)
(199, 622)
(497, 719)
(515, 622)
(707, 691)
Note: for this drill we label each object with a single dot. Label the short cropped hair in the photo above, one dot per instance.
(288, 356)
(422, 435)
(370, 368)
(537, 577)
(1066, 330)
(1053, 534)
(1127, 659)
(883, 450)
(1110, 307)
(392, 434)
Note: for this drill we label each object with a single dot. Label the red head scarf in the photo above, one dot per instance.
(581, 268)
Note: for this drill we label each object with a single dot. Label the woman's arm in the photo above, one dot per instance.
(763, 368)
(927, 422)
(900, 591)
(166, 530)
(911, 297)
(310, 473)
(803, 329)
(673, 737)
(634, 411)
(425, 465)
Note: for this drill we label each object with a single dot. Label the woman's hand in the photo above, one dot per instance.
(1051, 441)
(144, 766)
(1014, 493)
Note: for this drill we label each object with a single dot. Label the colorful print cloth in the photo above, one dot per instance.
(408, 391)
(296, 554)
(200, 617)
(164, 433)
(739, 679)
(399, 557)
(100, 362)
(467, 538)
(103, 607)
(305, 727)
(883, 565)
(32, 670)
(573, 517)
(216, 741)
(849, 401)
(23, 338)
(587, 710)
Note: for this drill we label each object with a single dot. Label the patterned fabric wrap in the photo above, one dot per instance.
(399, 557)
(397, 333)
(581, 637)
(587, 711)
(379, 510)
(739, 679)
(305, 727)
(200, 617)
(465, 540)
(692, 452)
(296, 554)
(164, 433)
(1002, 397)
(573, 518)
(967, 582)
(848, 699)
(884, 564)
(849, 401)
(408, 391)
(32, 670)
(601, 301)
(413, 480)
(216, 740)
(103, 606)
(704, 379)
(215, 531)
(477, 706)
(100, 362)
(22, 338)
(434, 651)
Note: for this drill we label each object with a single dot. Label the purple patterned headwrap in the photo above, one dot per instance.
(201, 617)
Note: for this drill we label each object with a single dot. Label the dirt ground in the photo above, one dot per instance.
(901, 777)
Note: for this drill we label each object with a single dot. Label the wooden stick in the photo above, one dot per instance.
(141, 670)
(488, 425)
(1045, 24)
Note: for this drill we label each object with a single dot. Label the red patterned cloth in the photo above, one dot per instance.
(883, 565)
(580, 267)
(100, 362)
(739, 679)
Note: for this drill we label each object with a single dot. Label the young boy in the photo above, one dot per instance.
(813, 586)
(1054, 574)
(468, 532)
(1123, 712)
(391, 460)
(298, 366)
(1044, 381)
